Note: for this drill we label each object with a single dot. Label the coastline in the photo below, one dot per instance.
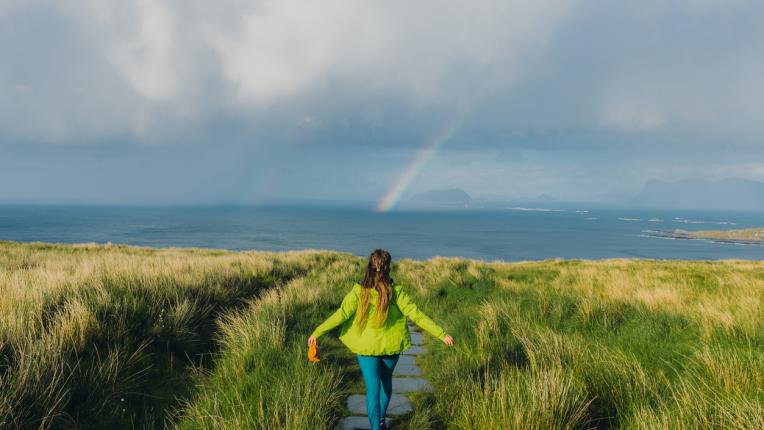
(148, 250)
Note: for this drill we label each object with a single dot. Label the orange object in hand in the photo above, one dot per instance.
(313, 354)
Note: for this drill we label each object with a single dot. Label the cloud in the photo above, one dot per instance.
(182, 61)
(145, 69)
(586, 93)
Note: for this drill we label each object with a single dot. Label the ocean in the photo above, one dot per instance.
(511, 234)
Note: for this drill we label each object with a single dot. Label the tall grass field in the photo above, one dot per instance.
(102, 337)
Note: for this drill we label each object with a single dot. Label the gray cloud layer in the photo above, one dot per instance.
(557, 96)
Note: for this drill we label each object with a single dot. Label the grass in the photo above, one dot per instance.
(597, 344)
(122, 337)
(105, 337)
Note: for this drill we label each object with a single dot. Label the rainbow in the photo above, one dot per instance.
(424, 155)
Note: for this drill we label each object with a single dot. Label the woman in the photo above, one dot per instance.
(378, 333)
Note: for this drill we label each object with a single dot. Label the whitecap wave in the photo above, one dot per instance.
(688, 221)
(523, 209)
(693, 221)
(655, 236)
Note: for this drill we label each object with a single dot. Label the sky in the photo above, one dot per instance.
(233, 101)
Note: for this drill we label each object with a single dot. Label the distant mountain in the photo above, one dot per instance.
(450, 198)
(726, 194)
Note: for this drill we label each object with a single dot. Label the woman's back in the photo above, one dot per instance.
(391, 337)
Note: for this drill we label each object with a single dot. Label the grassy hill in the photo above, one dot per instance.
(123, 337)
(747, 235)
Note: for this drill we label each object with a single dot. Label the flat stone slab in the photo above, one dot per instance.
(416, 339)
(406, 360)
(407, 370)
(399, 405)
(414, 350)
(409, 385)
(354, 423)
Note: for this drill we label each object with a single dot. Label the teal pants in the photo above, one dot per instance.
(377, 373)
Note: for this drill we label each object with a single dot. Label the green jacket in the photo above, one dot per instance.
(392, 337)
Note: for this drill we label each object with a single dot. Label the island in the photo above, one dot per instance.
(750, 236)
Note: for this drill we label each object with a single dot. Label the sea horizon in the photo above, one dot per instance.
(515, 233)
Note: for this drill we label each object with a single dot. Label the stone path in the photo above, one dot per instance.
(406, 379)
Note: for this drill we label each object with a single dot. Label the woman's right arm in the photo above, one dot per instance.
(346, 310)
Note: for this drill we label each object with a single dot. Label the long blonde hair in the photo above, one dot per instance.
(377, 276)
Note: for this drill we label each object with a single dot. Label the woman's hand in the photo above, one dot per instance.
(448, 340)
(312, 341)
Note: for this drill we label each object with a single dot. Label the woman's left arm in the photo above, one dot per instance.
(410, 309)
